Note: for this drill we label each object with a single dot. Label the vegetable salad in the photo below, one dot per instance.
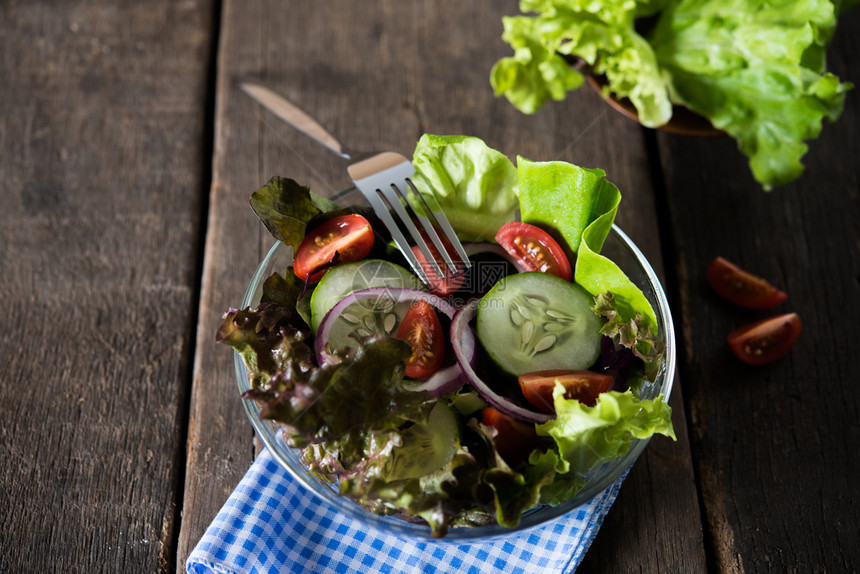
(463, 402)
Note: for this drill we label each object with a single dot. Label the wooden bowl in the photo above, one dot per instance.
(683, 121)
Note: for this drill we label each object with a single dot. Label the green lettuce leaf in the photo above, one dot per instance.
(599, 275)
(577, 206)
(564, 199)
(600, 33)
(536, 72)
(590, 436)
(475, 185)
(756, 70)
(285, 208)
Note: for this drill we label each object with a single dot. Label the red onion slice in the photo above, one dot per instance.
(442, 382)
(463, 342)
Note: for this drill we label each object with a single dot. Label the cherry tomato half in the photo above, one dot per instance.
(450, 282)
(351, 236)
(583, 386)
(534, 249)
(515, 440)
(741, 287)
(423, 331)
(765, 341)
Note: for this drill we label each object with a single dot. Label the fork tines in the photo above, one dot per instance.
(385, 180)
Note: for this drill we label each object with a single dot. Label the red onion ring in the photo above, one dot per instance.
(462, 340)
(442, 382)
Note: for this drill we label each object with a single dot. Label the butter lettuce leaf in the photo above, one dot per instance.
(475, 185)
(536, 72)
(600, 275)
(577, 206)
(564, 199)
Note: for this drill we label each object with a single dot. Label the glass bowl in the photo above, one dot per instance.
(617, 247)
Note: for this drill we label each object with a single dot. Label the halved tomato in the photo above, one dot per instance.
(534, 249)
(766, 341)
(423, 331)
(515, 440)
(583, 386)
(350, 236)
(742, 287)
(449, 282)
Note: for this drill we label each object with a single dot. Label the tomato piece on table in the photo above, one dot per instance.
(449, 282)
(584, 386)
(423, 331)
(515, 440)
(350, 236)
(534, 249)
(742, 287)
(765, 341)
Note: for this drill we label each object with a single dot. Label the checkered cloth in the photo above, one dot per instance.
(272, 524)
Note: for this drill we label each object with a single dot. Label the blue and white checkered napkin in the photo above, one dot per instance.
(272, 524)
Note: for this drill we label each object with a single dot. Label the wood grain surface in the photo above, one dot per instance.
(127, 157)
(775, 448)
(102, 172)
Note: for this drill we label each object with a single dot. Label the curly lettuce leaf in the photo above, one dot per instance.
(443, 498)
(587, 437)
(511, 491)
(418, 470)
(475, 185)
(756, 70)
(600, 33)
(266, 341)
(536, 72)
(361, 387)
(633, 333)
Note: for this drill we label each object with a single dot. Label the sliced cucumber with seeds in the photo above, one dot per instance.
(345, 279)
(426, 447)
(536, 321)
(379, 314)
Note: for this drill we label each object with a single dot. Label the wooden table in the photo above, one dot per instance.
(127, 156)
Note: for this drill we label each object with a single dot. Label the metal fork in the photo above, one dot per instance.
(385, 180)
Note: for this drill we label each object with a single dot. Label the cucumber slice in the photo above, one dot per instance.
(426, 447)
(345, 279)
(368, 316)
(536, 321)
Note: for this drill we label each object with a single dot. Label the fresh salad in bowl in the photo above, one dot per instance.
(474, 399)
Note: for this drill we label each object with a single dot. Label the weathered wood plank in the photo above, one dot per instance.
(379, 75)
(101, 180)
(776, 446)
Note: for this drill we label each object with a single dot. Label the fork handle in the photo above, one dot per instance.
(292, 115)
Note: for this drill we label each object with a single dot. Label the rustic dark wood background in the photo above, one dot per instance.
(127, 155)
